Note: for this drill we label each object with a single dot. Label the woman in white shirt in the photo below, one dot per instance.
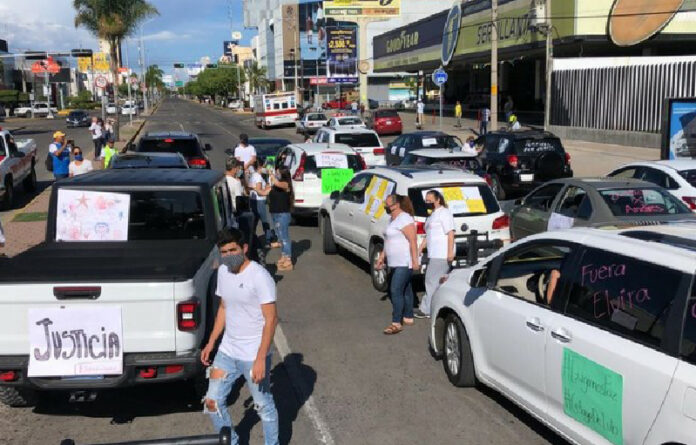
(79, 165)
(258, 190)
(401, 253)
(439, 239)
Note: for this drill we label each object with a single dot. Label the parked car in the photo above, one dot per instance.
(129, 109)
(78, 118)
(406, 143)
(37, 110)
(384, 121)
(148, 160)
(309, 123)
(111, 108)
(576, 202)
(519, 161)
(352, 218)
(17, 167)
(345, 123)
(676, 176)
(365, 142)
(591, 331)
(188, 144)
(151, 283)
(445, 158)
(336, 104)
(307, 163)
(235, 104)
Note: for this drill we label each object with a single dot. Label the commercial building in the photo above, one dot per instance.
(628, 62)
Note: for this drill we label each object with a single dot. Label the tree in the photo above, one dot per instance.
(257, 77)
(153, 77)
(222, 81)
(112, 20)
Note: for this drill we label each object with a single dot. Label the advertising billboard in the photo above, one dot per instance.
(342, 54)
(312, 34)
(348, 9)
(101, 63)
(679, 129)
(228, 47)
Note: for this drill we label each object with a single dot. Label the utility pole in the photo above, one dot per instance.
(549, 66)
(141, 59)
(494, 65)
(130, 99)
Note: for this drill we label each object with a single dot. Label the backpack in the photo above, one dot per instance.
(49, 162)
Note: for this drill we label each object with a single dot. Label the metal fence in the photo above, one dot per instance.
(624, 98)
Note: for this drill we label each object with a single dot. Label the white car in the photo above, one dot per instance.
(353, 218)
(38, 109)
(129, 108)
(111, 108)
(235, 104)
(17, 167)
(677, 176)
(591, 331)
(307, 163)
(364, 141)
(346, 123)
(310, 123)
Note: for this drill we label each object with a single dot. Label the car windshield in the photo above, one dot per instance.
(462, 199)
(631, 202)
(440, 141)
(316, 117)
(146, 162)
(267, 149)
(349, 121)
(336, 161)
(187, 147)
(689, 175)
(358, 139)
(387, 113)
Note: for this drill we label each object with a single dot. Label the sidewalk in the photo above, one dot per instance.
(26, 227)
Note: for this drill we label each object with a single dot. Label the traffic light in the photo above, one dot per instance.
(35, 55)
(211, 65)
(178, 65)
(81, 53)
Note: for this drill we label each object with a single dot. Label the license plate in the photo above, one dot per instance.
(388, 122)
(527, 178)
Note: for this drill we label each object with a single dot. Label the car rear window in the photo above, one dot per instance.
(349, 121)
(689, 175)
(462, 199)
(635, 201)
(187, 147)
(358, 140)
(537, 146)
(464, 163)
(265, 150)
(386, 113)
(76, 114)
(352, 162)
(316, 117)
(441, 141)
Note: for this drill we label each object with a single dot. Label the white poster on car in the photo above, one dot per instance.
(92, 216)
(75, 341)
(332, 160)
(560, 222)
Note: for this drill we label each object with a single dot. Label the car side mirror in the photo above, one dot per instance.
(229, 152)
(476, 277)
(207, 147)
(335, 195)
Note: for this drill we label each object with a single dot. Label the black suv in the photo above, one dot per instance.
(186, 144)
(397, 150)
(518, 161)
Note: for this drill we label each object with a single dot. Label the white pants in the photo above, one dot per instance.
(435, 270)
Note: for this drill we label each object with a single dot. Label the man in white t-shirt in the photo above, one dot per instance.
(247, 316)
(245, 153)
(420, 109)
(97, 137)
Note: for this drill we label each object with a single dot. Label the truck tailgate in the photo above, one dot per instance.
(148, 312)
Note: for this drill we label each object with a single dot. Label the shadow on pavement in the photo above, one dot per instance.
(23, 198)
(300, 247)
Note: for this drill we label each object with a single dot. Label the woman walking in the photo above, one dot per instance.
(258, 191)
(280, 202)
(401, 253)
(79, 165)
(439, 239)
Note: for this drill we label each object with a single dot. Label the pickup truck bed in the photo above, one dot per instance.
(143, 261)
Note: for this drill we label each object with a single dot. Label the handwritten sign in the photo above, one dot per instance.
(462, 199)
(593, 395)
(429, 142)
(375, 194)
(335, 179)
(92, 216)
(75, 341)
(332, 160)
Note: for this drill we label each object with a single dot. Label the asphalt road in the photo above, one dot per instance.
(340, 380)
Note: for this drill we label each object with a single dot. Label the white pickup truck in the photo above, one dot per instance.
(121, 292)
(39, 109)
(17, 167)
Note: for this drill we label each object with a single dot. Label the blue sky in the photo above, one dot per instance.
(185, 30)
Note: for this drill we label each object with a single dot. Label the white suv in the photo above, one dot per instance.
(355, 220)
(591, 331)
(366, 142)
(308, 162)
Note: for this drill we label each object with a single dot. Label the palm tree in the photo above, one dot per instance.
(153, 77)
(257, 77)
(112, 20)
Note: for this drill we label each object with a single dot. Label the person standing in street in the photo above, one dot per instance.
(420, 111)
(401, 254)
(108, 130)
(439, 240)
(97, 133)
(354, 108)
(514, 124)
(508, 107)
(280, 202)
(245, 153)
(246, 319)
(258, 191)
(458, 114)
(60, 156)
(485, 116)
(108, 151)
(234, 175)
(79, 165)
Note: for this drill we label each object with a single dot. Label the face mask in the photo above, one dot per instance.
(239, 174)
(430, 206)
(388, 210)
(233, 262)
(78, 157)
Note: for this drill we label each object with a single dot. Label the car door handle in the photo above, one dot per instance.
(350, 213)
(374, 220)
(535, 325)
(561, 335)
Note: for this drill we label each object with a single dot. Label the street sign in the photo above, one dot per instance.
(100, 82)
(236, 35)
(439, 77)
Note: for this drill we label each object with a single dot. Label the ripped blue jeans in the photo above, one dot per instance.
(219, 389)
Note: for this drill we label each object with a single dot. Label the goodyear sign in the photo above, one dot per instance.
(101, 63)
(344, 9)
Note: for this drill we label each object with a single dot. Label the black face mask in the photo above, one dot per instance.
(388, 210)
(430, 205)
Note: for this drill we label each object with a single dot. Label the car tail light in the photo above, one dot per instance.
(420, 228)
(8, 376)
(173, 369)
(567, 158)
(488, 179)
(2, 158)
(690, 201)
(197, 163)
(169, 141)
(188, 315)
(299, 173)
(502, 222)
(362, 162)
(378, 151)
(513, 160)
(148, 373)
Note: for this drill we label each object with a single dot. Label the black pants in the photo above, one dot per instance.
(98, 143)
(247, 227)
(483, 127)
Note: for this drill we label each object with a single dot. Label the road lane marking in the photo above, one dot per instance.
(322, 429)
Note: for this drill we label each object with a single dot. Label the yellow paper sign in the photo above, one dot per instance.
(369, 205)
(379, 212)
(382, 189)
(368, 192)
(476, 206)
(452, 194)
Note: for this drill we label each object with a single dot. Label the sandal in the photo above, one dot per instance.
(276, 245)
(408, 321)
(392, 329)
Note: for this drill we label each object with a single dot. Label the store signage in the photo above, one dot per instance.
(450, 34)
(633, 21)
(342, 53)
(422, 34)
(342, 9)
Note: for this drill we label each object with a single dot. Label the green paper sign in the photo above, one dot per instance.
(333, 179)
(270, 161)
(593, 395)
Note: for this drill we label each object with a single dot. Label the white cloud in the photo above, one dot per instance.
(166, 35)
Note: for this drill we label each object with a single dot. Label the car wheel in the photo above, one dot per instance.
(329, 245)
(27, 115)
(380, 278)
(17, 397)
(30, 181)
(497, 188)
(8, 200)
(456, 355)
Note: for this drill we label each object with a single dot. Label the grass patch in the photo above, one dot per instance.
(30, 217)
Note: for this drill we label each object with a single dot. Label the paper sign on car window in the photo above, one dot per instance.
(461, 199)
(92, 216)
(429, 142)
(332, 160)
(335, 179)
